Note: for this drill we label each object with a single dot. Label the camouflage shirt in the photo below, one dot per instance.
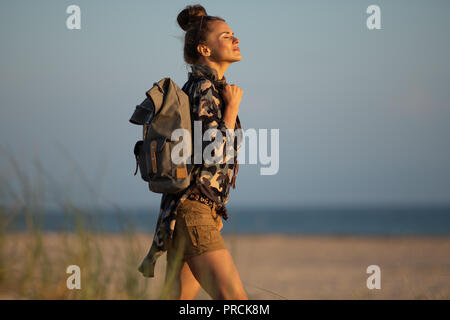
(211, 180)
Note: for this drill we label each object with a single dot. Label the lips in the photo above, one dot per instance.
(237, 49)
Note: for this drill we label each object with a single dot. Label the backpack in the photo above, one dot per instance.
(165, 109)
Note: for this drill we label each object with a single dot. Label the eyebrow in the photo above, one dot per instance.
(226, 32)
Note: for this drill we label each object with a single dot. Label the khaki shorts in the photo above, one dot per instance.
(197, 230)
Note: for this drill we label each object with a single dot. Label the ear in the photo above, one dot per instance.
(203, 50)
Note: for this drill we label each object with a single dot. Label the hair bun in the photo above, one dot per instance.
(190, 15)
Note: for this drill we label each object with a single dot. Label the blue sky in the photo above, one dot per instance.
(363, 114)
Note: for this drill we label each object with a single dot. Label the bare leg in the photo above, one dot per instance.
(180, 283)
(217, 274)
(189, 285)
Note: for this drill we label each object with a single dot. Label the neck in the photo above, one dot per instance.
(221, 67)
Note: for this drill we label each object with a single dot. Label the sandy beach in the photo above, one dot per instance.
(271, 266)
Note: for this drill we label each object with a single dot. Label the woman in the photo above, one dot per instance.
(196, 253)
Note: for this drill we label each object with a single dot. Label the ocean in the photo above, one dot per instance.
(424, 220)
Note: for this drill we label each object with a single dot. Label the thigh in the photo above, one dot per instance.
(217, 274)
(182, 285)
(174, 267)
(192, 236)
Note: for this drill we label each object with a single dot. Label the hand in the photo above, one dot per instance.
(232, 96)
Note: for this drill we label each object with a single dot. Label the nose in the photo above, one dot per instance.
(236, 40)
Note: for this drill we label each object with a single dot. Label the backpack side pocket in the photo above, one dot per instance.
(141, 162)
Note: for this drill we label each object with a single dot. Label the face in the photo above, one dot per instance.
(222, 44)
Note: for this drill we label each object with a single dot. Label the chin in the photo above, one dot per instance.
(236, 59)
